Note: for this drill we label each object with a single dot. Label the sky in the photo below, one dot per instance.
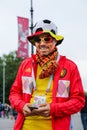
(69, 15)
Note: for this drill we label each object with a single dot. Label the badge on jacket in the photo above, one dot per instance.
(63, 73)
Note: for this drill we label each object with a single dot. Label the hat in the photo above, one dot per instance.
(45, 26)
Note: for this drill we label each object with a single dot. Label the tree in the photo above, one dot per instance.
(12, 63)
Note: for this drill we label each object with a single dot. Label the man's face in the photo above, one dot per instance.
(45, 44)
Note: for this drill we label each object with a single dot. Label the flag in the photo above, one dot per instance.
(22, 51)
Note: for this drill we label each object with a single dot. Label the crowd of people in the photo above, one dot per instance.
(6, 111)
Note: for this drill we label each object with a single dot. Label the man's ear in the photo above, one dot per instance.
(55, 42)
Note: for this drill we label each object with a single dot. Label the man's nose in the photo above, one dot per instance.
(42, 42)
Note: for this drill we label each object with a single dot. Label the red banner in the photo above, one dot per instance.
(22, 40)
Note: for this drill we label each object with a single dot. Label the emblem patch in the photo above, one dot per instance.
(63, 73)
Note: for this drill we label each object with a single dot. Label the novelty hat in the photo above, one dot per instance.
(45, 26)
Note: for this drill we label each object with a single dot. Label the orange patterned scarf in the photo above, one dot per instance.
(47, 63)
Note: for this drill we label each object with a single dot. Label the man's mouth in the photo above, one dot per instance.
(44, 47)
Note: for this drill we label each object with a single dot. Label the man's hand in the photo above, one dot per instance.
(43, 110)
(26, 110)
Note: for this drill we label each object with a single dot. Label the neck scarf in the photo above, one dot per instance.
(47, 63)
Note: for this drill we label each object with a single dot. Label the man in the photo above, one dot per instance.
(48, 87)
(83, 113)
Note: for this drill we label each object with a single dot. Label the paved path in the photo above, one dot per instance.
(76, 120)
(7, 124)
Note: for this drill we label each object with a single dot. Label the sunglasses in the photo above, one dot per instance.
(46, 39)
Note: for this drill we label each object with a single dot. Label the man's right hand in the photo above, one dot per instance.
(26, 110)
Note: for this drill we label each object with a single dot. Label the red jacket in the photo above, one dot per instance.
(68, 94)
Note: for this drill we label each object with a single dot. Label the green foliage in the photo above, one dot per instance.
(11, 67)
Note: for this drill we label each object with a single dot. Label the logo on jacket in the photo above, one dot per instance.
(28, 70)
(63, 73)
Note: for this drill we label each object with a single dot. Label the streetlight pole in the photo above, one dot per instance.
(31, 10)
(4, 82)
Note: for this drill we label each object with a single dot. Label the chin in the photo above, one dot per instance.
(44, 54)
